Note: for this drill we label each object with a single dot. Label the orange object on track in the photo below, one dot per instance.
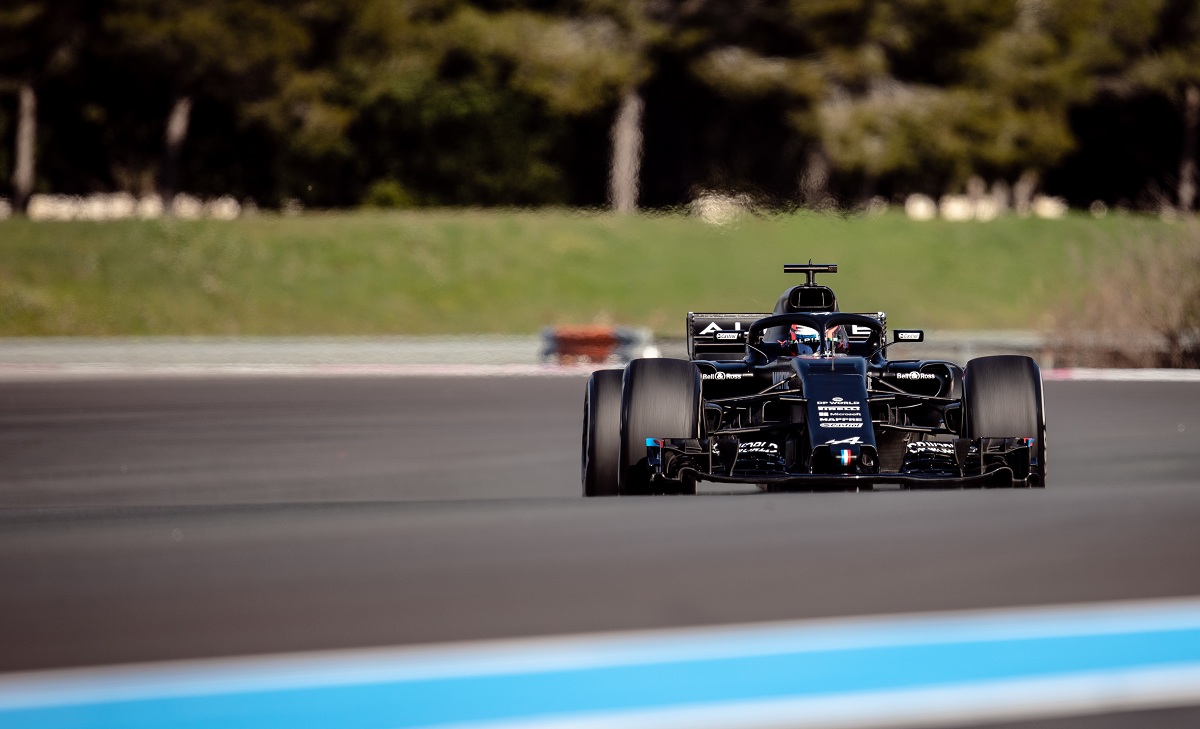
(590, 343)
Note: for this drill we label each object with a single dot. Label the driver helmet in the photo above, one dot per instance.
(805, 340)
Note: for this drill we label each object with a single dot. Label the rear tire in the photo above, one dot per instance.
(1002, 397)
(660, 399)
(602, 433)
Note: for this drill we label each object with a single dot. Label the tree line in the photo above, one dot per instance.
(627, 103)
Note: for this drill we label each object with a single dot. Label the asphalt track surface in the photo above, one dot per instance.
(182, 518)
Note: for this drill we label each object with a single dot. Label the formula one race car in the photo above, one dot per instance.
(804, 399)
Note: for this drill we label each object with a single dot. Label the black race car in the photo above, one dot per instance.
(804, 399)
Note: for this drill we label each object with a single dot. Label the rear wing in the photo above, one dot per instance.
(718, 337)
(722, 337)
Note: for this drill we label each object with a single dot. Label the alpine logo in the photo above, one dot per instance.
(713, 327)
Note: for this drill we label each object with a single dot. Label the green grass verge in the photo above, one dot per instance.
(441, 272)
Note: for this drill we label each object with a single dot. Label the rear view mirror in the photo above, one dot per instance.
(908, 335)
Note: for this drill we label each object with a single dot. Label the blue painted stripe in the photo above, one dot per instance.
(589, 676)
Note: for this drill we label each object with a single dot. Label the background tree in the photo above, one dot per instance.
(237, 52)
(39, 41)
(534, 102)
(436, 117)
(505, 89)
(922, 95)
(1154, 49)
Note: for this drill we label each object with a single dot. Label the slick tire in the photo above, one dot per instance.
(602, 433)
(660, 398)
(1002, 397)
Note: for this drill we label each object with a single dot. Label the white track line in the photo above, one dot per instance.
(69, 371)
(1092, 374)
(89, 370)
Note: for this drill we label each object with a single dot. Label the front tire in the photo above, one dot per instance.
(602, 433)
(1002, 397)
(660, 399)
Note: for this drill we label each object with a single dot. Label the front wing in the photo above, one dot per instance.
(976, 463)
